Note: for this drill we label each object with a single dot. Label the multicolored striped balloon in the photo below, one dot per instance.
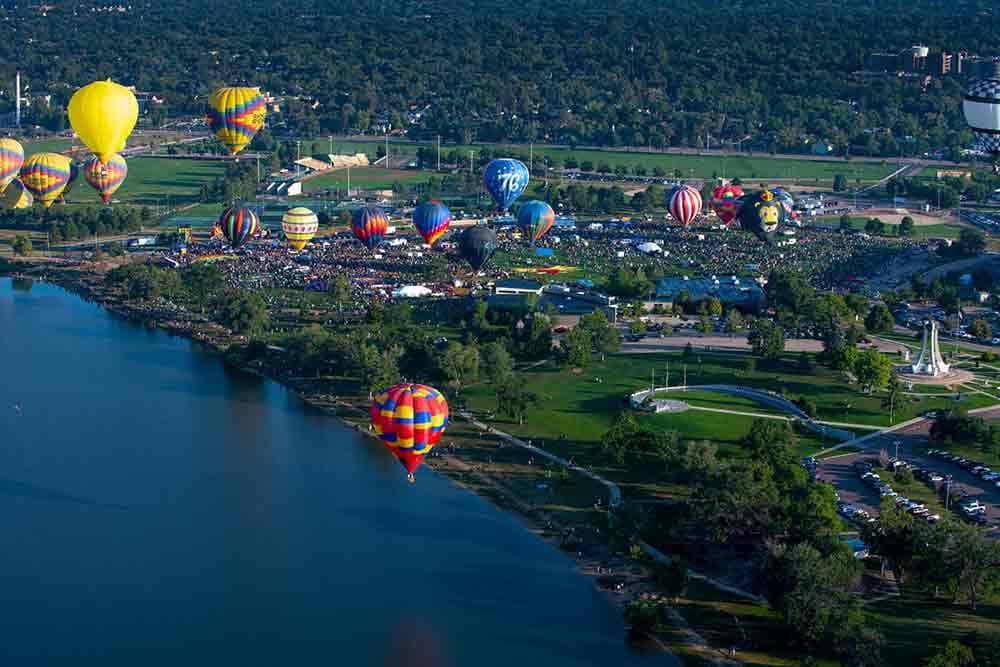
(684, 203)
(410, 419)
(235, 115)
(11, 159)
(369, 225)
(238, 225)
(106, 178)
(46, 175)
(299, 225)
(535, 218)
(726, 202)
(15, 195)
(432, 219)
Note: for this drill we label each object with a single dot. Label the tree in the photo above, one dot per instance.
(906, 226)
(769, 440)
(243, 312)
(496, 363)
(339, 290)
(604, 337)
(872, 369)
(715, 307)
(460, 364)
(734, 322)
(576, 347)
(893, 395)
(21, 245)
(839, 183)
(862, 647)
(953, 654)
(879, 319)
(981, 329)
(742, 502)
(949, 300)
(766, 339)
(202, 281)
(515, 400)
(845, 224)
(875, 226)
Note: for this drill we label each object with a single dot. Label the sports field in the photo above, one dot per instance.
(155, 181)
(365, 177)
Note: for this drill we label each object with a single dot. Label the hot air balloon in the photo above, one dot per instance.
(238, 224)
(410, 419)
(981, 107)
(476, 245)
(106, 178)
(11, 159)
(15, 196)
(786, 199)
(684, 203)
(74, 174)
(103, 115)
(235, 115)
(299, 225)
(46, 175)
(535, 218)
(369, 225)
(505, 179)
(432, 219)
(763, 214)
(726, 202)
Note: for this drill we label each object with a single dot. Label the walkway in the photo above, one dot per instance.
(761, 415)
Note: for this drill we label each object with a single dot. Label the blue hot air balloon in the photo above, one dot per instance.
(505, 179)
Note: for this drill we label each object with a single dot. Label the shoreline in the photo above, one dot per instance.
(618, 578)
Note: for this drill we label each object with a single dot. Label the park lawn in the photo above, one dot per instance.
(58, 145)
(7, 236)
(742, 165)
(156, 181)
(916, 628)
(939, 231)
(719, 401)
(365, 177)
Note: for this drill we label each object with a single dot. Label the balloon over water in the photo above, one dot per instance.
(299, 225)
(103, 115)
(235, 115)
(46, 175)
(432, 219)
(410, 419)
(505, 179)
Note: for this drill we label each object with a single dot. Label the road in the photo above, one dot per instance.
(738, 343)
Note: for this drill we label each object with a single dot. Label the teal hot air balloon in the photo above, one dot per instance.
(535, 218)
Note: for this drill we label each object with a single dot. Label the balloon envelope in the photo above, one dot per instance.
(726, 202)
(476, 245)
(299, 225)
(505, 179)
(410, 419)
(235, 115)
(684, 203)
(15, 196)
(46, 175)
(981, 108)
(238, 225)
(106, 178)
(535, 218)
(369, 225)
(763, 214)
(103, 115)
(432, 219)
(11, 160)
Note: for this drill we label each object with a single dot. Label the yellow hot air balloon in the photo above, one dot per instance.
(235, 115)
(299, 225)
(15, 195)
(46, 175)
(103, 114)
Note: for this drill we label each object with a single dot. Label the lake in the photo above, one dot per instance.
(159, 508)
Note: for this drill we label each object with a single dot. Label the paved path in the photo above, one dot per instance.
(784, 418)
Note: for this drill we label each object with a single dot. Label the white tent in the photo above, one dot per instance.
(649, 248)
(411, 292)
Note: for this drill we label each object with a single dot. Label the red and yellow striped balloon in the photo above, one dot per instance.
(410, 419)
(370, 225)
(106, 178)
(11, 160)
(46, 175)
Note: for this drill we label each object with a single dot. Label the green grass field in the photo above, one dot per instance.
(701, 166)
(365, 177)
(154, 181)
(941, 231)
(46, 146)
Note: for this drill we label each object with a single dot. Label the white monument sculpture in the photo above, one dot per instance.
(930, 362)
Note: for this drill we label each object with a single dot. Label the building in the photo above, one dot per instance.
(730, 290)
(568, 302)
(518, 287)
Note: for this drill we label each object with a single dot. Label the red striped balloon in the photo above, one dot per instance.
(684, 203)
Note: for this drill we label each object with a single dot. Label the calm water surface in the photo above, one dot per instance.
(157, 508)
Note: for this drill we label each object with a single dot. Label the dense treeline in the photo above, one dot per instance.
(631, 73)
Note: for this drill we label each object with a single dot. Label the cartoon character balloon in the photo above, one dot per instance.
(370, 225)
(535, 218)
(763, 215)
(299, 225)
(46, 175)
(103, 115)
(106, 178)
(726, 202)
(238, 225)
(684, 203)
(410, 419)
(235, 115)
(505, 179)
(432, 219)
(11, 160)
